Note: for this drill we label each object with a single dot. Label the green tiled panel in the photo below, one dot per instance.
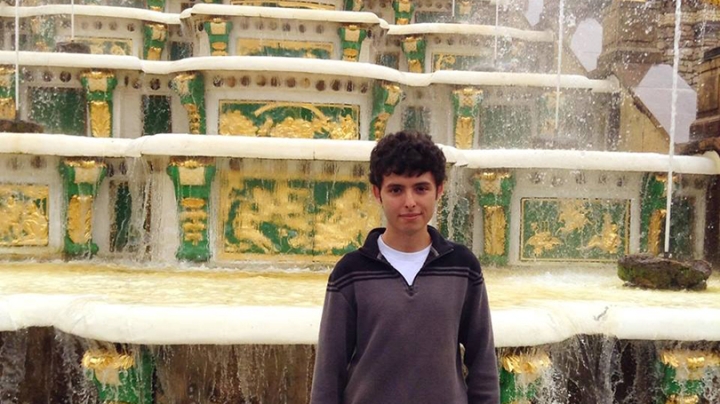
(506, 126)
(180, 50)
(157, 116)
(123, 213)
(681, 228)
(416, 118)
(554, 229)
(295, 217)
(59, 110)
(389, 60)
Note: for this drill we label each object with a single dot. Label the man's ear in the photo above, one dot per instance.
(439, 191)
(376, 193)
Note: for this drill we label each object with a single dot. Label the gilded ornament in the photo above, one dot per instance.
(464, 7)
(402, 21)
(192, 203)
(445, 62)
(655, 231)
(352, 33)
(193, 218)
(87, 175)
(491, 181)
(7, 76)
(159, 32)
(573, 214)
(23, 215)
(608, 240)
(218, 26)
(674, 399)
(494, 226)
(464, 132)
(393, 94)
(192, 176)
(350, 55)
(346, 129)
(182, 83)
(98, 80)
(79, 218)
(100, 360)
(542, 240)
(100, 119)
(404, 6)
(343, 221)
(7, 108)
(154, 53)
(414, 66)
(410, 44)
(532, 364)
(236, 123)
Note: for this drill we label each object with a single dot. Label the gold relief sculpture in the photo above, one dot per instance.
(542, 240)
(23, 215)
(494, 224)
(673, 399)
(608, 240)
(193, 118)
(7, 108)
(6, 76)
(235, 123)
(343, 220)
(414, 66)
(573, 214)
(100, 119)
(254, 46)
(154, 53)
(464, 132)
(444, 62)
(191, 176)
(393, 94)
(182, 83)
(380, 125)
(106, 365)
(286, 4)
(79, 221)
(99, 46)
(410, 44)
(464, 7)
(297, 128)
(404, 6)
(159, 32)
(692, 361)
(352, 33)
(282, 206)
(531, 365)
(346, 129)
(657, 225)
(98, 80)
(491, 181)
(218, 26)
(350, 55)
(193, 219)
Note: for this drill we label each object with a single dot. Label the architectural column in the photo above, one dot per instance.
(218, 32)
(7, 92)
(192, 178)
(521, 375)
(683, 373)
(99, 86)
(466, 107)
(125, 378)
(404, 10)
(81, 179)
(494, 193)
(652, 213)
(191, 89)
(351, 39)
(386, 96)
(414, 50)
(155, 36)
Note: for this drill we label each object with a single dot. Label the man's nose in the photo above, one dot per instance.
(409, 199)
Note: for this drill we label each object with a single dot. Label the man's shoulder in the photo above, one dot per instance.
(353, 266)
(461, 255)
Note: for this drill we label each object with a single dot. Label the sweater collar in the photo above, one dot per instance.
(439, 245)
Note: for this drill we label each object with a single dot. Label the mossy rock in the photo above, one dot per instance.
(650, 272)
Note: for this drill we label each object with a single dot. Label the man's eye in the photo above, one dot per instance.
(394, 190)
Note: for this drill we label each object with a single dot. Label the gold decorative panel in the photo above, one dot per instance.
(24, 215)
(314, 212)
(557, 229)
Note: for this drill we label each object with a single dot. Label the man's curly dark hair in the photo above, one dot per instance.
(406, 153)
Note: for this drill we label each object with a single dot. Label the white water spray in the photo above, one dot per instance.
(17, 59)
(673, 116)
(561, 22)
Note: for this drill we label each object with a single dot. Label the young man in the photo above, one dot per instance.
(397, 310)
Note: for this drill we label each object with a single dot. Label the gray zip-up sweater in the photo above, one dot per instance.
(383, 341)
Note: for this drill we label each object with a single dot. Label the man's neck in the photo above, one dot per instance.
(406, 242)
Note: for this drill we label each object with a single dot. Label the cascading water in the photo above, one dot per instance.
(266, 217)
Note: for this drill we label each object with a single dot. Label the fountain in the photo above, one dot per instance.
(168, 238)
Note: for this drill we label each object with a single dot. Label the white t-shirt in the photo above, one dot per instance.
(408, 264)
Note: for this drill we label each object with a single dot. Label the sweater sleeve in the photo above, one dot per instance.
(477, 337)
(336, 346)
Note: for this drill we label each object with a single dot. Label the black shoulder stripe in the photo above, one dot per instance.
(346, 280)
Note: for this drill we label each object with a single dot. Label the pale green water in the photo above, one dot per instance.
(508, 287)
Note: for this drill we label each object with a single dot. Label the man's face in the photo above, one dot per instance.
(408, 202)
